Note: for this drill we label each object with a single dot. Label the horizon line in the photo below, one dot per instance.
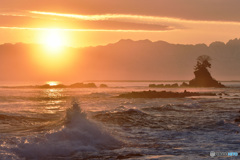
(109, 43)
(151, 80)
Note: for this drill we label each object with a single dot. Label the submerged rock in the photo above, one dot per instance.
(75, 85)
(103, 86)
(49, 86)
(163, 94)
(163, 86)
(82, 85)
(184, 84)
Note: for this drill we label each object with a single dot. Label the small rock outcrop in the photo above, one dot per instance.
(82, 85)
(175, 85)
(49, 86)
(75, 85)
(103, 86)
(203, 77)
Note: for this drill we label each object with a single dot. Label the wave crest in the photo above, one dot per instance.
(76, 135)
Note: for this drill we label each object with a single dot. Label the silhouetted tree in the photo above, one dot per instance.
(203, 62)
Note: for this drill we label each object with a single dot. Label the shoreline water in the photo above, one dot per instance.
(145, 128)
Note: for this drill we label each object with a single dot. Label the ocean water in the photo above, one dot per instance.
(92, 124)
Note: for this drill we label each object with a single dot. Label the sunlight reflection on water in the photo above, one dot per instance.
(151, 128)
(54, 93)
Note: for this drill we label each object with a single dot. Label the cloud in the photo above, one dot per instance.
(37, 20)
(205, 10)
(82, 23)
(81, 30)
(137, 18)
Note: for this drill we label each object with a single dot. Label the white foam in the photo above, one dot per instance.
(78, 134)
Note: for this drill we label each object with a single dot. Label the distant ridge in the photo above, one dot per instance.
(231, 43)
(125, 59)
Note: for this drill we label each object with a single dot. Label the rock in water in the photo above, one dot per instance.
(203, 77)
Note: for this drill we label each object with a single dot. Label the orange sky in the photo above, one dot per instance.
(93, 22)
(81, 23)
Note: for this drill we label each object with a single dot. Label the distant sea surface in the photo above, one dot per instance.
(89, 123)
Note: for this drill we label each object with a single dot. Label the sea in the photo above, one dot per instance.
(91, 123)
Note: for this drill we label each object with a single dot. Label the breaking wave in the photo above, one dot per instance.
(77, 134)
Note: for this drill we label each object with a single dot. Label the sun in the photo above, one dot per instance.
(52, 83)
(53, 40)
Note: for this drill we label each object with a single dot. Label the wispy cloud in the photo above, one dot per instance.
(101, 24)
(82, 30)
(139, 18)
(37, 20)
(10, 14)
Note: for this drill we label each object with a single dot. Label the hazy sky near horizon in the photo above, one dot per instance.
(80, 23)
(95, 22)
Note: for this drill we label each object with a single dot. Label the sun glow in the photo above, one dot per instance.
(52, 83)
(53, 39)
(52, 54)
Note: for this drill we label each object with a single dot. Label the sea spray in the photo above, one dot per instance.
(78, 134)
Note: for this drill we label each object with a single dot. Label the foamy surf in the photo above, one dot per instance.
(78, 134)
(33, 127)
